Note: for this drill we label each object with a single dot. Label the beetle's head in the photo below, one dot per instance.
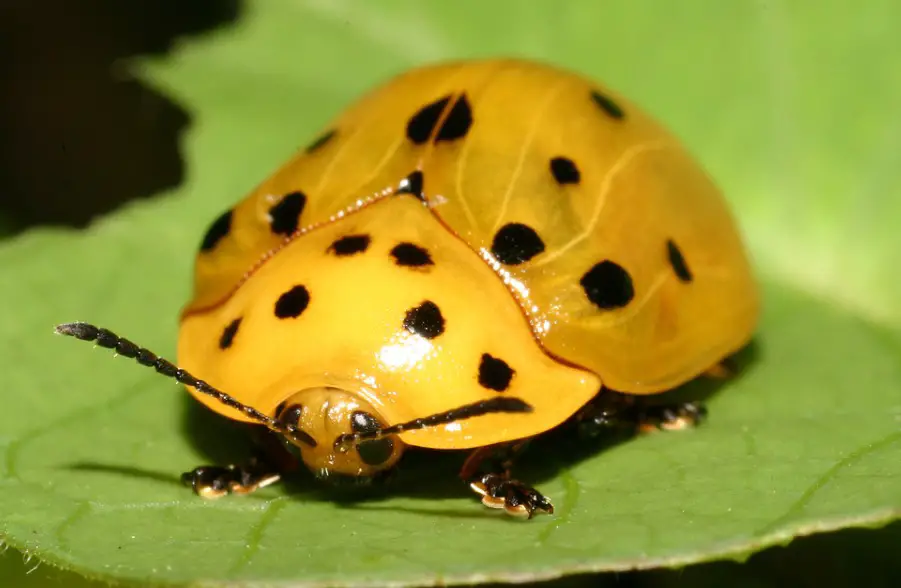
(323, 417)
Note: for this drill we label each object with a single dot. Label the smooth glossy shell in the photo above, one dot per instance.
(352, 332)
(563, 201)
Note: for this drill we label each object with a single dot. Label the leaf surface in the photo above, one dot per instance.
(806, 439)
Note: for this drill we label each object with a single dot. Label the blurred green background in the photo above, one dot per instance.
(81, 138)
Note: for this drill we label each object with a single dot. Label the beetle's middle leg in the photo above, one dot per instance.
(614, 413)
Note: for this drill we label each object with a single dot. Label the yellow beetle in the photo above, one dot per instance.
(474, 253)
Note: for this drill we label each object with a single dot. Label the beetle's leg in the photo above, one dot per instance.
(684, 415)
(495, 484)
(515, 497)
(612, 412)
(269, 462)
(671, 417)
(217, 481)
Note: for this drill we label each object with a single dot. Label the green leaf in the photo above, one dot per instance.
(791, 106)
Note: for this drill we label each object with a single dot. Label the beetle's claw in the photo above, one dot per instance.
(517, 499)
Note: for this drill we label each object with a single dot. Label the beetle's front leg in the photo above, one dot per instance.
(270, 460)
(217, 481)
(495, 484)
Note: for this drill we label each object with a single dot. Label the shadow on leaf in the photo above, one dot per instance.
(129, 471)
(82, 135)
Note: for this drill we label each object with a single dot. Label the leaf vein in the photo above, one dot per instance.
(256, 532)
(826, 478)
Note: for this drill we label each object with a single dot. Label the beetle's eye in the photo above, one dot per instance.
(289, 415)
(375, 452)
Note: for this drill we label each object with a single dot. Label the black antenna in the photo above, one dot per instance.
(467, 411)
(145, 357)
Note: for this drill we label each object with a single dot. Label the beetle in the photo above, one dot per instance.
(472, 254)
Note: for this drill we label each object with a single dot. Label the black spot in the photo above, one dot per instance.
(350, 245)
(228, 334)
(608, 285)
(285, 216)
(292, 303)
(411, 255)
(321, 140)
(458, 121)
(412, 184)
(516, 243)
(219, 229)
(494, 373)
(564, 171)
(455, 126)
(677, 260)
(421, 124)
(607, 105)
(425, 320)
(375, 452)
